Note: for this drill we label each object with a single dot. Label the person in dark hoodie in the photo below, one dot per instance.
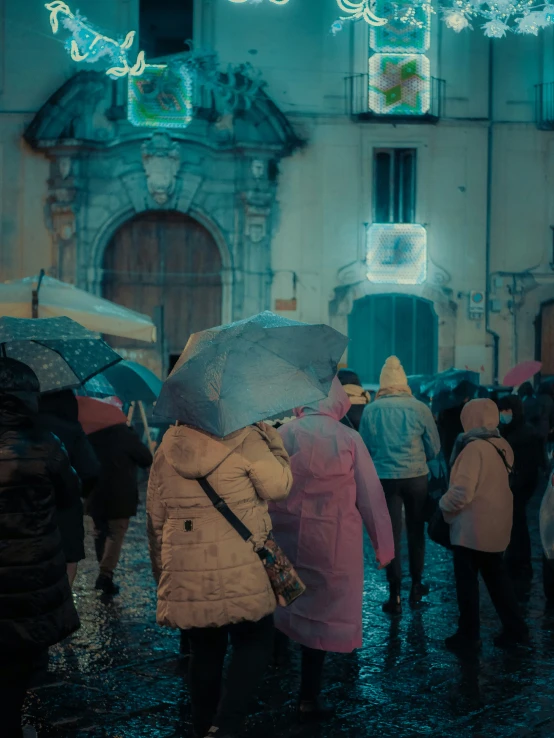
(59, 413)
(358, 396)
(36, 605)
(528, 459)
(114, 499)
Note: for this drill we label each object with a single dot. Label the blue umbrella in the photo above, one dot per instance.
(60, 351)
(133, 382)
(234, 375)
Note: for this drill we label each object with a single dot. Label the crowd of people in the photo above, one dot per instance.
(344, 463)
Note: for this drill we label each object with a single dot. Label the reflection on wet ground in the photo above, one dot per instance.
(119, 676)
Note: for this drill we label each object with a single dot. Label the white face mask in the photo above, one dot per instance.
(506, 418)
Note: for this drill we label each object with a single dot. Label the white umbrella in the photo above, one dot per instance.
(45, 297)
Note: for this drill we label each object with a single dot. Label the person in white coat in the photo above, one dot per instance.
(479, 509)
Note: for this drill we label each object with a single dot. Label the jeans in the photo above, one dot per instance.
(108, 542)
(213, 703)
(412, 494)
(468, 564)
(312, 673)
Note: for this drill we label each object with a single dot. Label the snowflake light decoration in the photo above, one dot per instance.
(500, 16)
(89, 45)
(257, 2)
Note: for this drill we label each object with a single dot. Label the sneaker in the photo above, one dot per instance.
(215, 733)
(315, 710)
(511, 640)
(29, 732)
(106, 584)
(418, 592)
(460, 643)
(393, 606)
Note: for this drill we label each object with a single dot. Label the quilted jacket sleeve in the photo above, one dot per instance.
(268, 463)
(155, 519)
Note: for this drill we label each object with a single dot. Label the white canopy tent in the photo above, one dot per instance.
(45, 297)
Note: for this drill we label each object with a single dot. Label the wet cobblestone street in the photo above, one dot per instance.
(119, 676)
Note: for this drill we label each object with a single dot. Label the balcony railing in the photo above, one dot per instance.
(357, 101)
(544, 106)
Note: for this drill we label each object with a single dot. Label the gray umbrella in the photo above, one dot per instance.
(61, 352)
(234, 375)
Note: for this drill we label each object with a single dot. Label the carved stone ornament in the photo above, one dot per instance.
(64, 166)
(258, 168)
(63, 220)
(161, 160)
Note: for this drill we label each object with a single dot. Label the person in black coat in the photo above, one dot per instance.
(528, 458)
(36, 605)
(115, 497)
(59, 413)
(358, 397)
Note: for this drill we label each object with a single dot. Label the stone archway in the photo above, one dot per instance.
(165, 264)
(105, 171)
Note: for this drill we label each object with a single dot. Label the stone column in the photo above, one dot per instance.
(61, 214)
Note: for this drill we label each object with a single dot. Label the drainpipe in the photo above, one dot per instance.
(490, 142)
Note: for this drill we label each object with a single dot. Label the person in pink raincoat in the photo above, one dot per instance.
(320, 527)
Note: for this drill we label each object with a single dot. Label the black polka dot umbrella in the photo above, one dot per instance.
(60, 351)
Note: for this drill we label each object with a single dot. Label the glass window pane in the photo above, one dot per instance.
(382, 187)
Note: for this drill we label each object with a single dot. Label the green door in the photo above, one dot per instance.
(382, 325)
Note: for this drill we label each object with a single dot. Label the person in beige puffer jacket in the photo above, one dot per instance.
(210, 581)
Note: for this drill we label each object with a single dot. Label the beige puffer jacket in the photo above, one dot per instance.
(207, 575)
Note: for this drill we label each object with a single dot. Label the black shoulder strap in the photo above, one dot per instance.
(222, 507)
(501, 453)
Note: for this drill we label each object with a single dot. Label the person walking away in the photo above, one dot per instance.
(335, 493)
(115, 497)
(478, 506)
(401, 436)
(36, 604)
(448, 419)
(357, 395)
(211, 583)
(526, 445)
(59, 413)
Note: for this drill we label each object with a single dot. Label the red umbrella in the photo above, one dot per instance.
(95, 415)
(521, 373)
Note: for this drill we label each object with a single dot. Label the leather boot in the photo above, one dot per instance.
(393, 606)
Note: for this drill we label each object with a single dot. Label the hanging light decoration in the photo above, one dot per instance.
(257, 2)
(89, 45)
(500, 16)
(356, 10)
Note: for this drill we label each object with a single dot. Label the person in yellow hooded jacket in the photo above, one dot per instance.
(358, 396)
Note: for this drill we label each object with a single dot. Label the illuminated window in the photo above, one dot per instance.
(394, 185)
(161, 98)
(396, 253)
(398, 36)
(399, 84)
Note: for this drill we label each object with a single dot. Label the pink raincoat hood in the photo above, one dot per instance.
(335, 405)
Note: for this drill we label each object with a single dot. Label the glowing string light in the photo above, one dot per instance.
(88, 45)
(257, 2)
(356, 10)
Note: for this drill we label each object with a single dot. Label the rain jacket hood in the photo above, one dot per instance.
(193, 453)
(335, 405)
(480, 414)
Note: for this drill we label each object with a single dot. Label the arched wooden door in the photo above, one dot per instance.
(382, 325)
(165, 260)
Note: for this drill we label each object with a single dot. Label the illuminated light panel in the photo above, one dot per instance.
(399, 35)
(161, 97)
(88, 45)
(396, 253)
(399, 84)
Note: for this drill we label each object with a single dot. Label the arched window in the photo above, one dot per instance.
(382, 325)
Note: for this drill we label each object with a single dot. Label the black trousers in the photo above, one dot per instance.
(312, 673)
(468, 564)
(213, 703)
(518, 554)
(412, 494)
(15, 676)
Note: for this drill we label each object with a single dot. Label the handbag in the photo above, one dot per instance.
(285, 582)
